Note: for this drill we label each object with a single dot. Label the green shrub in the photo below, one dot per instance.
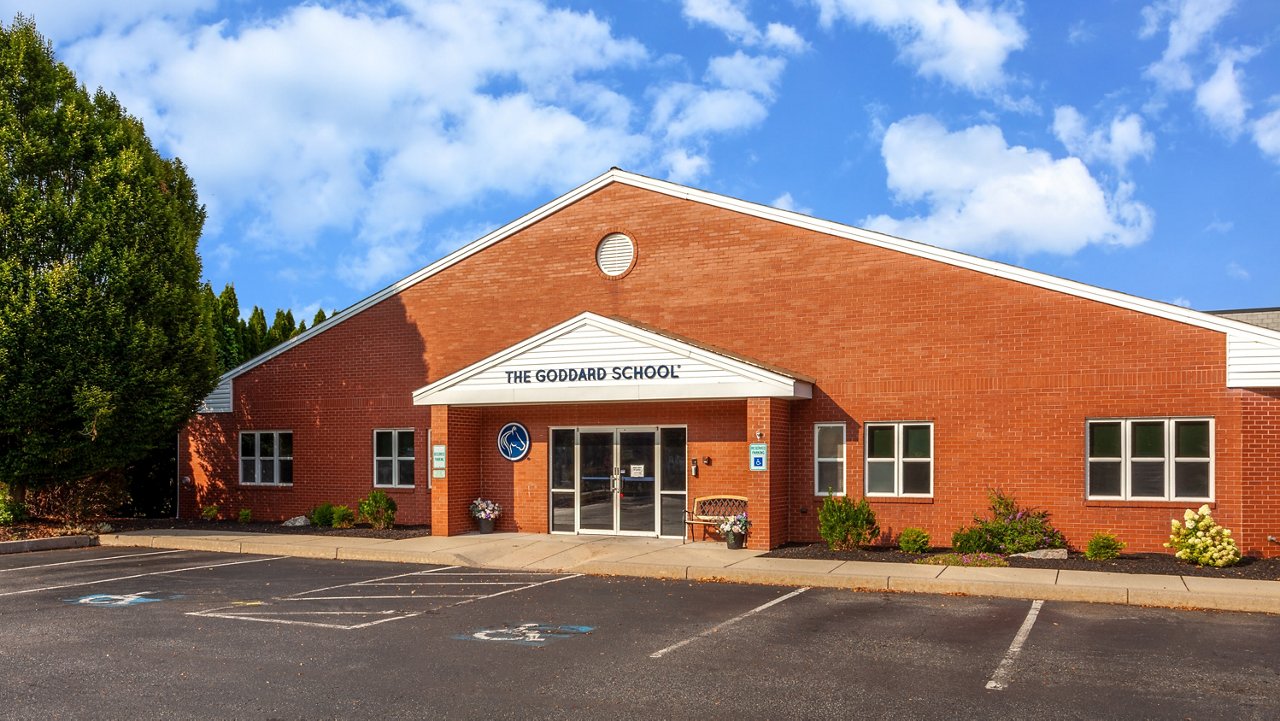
(846, 525)
(245, 515)
(1010, 529)
(913, 540)
(11, 511)
(986, 560)
(1200, 540)
(343, 517)
(1103, 547)
(378, 510)
(322, 515)
(210, 512)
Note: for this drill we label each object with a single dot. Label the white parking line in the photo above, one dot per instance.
(139, 575)
(1000, 679)
(87, 560)
(725, 624)
(371, 580)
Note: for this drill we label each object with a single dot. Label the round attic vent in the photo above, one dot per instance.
(615, 254)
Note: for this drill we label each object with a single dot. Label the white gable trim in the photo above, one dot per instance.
(593, 341)
(1265, 342)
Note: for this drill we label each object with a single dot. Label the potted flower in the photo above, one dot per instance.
(735, 530)
(485, 511)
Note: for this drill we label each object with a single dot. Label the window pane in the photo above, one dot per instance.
(383, 472)
(266, 445)
(406, 473)
(915, 441)
(1191, 479)
(830, 441)
(247, 446)
(672, 514)
(562, 511)
(286, 471)
(267, 470)
(1192, 439)
(1104, 440)
(404, 444)
(1147, 439)
(915, 477)
(673, 459)
(382, 444)
(880, 477)
(248, 471)
(562, 459)
(1104, 478)
(880, 442)
(1147, 479)
(286, 444)
(830, 477)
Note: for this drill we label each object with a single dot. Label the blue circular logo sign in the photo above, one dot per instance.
(513, 441)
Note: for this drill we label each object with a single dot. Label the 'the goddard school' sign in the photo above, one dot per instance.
(595, 373)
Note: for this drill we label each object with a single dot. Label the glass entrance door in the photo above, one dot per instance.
(597, 481)
(638, 476)
(617, 481)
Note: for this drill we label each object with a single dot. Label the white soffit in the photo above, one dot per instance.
(1259, 368)
(219, 399)
(590, 359)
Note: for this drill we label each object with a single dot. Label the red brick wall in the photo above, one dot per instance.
(1008, 373)
(1260, 454)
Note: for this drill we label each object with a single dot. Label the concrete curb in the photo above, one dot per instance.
(47, 544)
(1110, 589)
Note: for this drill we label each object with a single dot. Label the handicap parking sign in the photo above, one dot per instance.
(759, 456)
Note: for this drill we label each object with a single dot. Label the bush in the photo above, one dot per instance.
(343, 517)
(83, 499)
(322, 515)
(986, 560)
(11, 511)
(378, 510)
(1103, 547)
(245, 515)
(210, 512)
(913, 540)
(1010, 529)
(1200, 540)
(846, 525)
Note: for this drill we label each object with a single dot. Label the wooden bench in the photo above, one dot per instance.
(712, 511)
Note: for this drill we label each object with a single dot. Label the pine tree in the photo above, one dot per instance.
(230, 329)
(255, 333)
(320, 318)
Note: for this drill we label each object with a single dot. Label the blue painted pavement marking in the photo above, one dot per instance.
(526, 634)
(112, 600)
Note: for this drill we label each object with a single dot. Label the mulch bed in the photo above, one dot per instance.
(1262, 569)
(44, 530)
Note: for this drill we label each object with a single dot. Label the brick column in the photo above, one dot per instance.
(767, 490)
(458, 430)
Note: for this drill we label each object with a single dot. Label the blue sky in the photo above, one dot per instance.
(340, 146)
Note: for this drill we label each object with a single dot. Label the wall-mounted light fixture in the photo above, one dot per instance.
(759, 434)
(706, 460)
(693, 467)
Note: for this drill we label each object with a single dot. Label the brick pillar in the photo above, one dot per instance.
(767, 490)
(458, 430)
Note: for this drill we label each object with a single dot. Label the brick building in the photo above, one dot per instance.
(653, 343)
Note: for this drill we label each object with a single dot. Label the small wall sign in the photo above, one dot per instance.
(759, 456)
(513, 442)
(437, 457)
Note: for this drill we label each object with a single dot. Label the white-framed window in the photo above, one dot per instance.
(1151, 459)
(393, 458)
(899, 459)
(828, 459)
(266, 458)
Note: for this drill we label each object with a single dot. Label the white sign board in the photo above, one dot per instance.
(759, 457)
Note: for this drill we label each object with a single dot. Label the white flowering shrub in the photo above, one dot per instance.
(1200, 540)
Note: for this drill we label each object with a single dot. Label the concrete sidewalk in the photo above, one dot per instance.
(664, 558)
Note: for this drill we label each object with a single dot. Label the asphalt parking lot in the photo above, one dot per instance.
(118, 632)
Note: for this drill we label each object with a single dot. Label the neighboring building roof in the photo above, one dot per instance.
(1265, 317)
(1253, 352)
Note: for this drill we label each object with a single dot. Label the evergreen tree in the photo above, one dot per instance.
(282, 328)
(302, 328)
(320, 317)
(230, 330)
(255, 333)
(106, 334)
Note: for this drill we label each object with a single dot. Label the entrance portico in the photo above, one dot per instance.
(626, 426)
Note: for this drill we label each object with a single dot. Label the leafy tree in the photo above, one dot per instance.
(231, 349)
(106, 338)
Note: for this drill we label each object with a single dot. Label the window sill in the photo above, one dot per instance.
(900, 499)
(1121, 503)
(394, 488)
(265, 485)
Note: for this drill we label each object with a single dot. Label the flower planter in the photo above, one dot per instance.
(486, 525)
(735, 540)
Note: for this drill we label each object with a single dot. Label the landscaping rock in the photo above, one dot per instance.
(1043, 553)
(297, 521)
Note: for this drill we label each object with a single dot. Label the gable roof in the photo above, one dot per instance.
(1253, 352)
(612, 354)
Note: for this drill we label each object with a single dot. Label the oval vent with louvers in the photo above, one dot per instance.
(614, 254)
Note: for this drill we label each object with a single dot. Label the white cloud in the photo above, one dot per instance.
(786, 202)
(737, 95)
(1221, 227)
(1266, 134)
(1237, 271)
(1117, 144)
(730, 17)
(1190, 22)
(1182, 301)
(684, 167)
(1220, 99)
(966, 47)
(986, 196)
(755, 74)
(66, 20)
(1080, 33)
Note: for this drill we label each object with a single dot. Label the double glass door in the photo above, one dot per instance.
(624, 481)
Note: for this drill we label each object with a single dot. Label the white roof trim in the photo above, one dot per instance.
(734, 378)
(1237, 330)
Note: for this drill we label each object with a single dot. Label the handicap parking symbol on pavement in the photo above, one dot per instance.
(111, 600)
(526, 634)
